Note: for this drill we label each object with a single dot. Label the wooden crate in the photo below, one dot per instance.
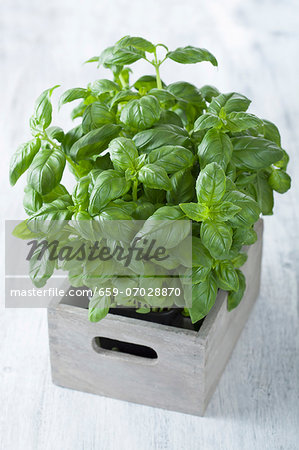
(189, 364)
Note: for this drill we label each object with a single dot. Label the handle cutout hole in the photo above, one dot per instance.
(100, 343)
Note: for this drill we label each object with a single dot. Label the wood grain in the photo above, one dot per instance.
(255, 405)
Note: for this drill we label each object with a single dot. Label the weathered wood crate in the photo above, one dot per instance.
(188, 365)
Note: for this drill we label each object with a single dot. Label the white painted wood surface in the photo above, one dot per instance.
(256, 403)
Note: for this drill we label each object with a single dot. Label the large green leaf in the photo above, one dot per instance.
(192, 55)
(148, 140)
(227, 276)
(22, 159)
(207, 121)
(203, 298)
(210, 184)
(280, 181)
(46, 170)
(123, 153)
(216, 147)
(234, 298)
(239, 121)
(231, 102)
(216, 237)
(182, 187)
(254, 152)
(249, 212)
(94, 142)
(264, 193)
(32, 200)
(154, 177)
(96, 115)
(120, 56)
(72, 94)
(42, 115)
(172, 158)
(108, 186)
(137, 42)
(142, 113)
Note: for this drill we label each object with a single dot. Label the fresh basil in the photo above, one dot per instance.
(179, 157)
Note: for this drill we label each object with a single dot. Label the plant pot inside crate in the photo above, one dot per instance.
(158, 365)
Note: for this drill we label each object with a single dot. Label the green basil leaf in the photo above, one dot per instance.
(283, 162)
(223, 211)
(22, 231)
(239, 121)
(203, 298)
(186, 92)
(148, 140)
(264, 193)
(56, 133)
(42, 115)
(40, 270)
(94, 142)
(249, 212)
(154, 177)
(170, 118)
(32, 201)
(207, 121)
(216, 147)
(137, 42)
(231, 102)
(182, 187)
(230, 172)
(103, 86)
(200, 274)
(46, 170)
(210, 184)
(96, 115)
(244, 236)
(57, 192)
(200, 255)
(172, 158)
(98, 307)
(216, 237)
(124, 96)
(22, 158)
(227, 276)
(254, 152)
(208, 92)
(50, 218)
(280, 181)
(146, 83)
(72, 94)
(195, 211)
(123, 153)
(120, 56)
(70, 138)
(108, 186)
(170, 230)
(141, 114)
(163, 96)
(234, 298)
(80, 194)
(192, 55)
(240, 259)
(271, 132)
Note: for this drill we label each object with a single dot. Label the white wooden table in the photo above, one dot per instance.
(257, 44)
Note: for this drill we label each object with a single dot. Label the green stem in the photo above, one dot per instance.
(156, 64)
(159, 82)
(134, 191)
(122, 80)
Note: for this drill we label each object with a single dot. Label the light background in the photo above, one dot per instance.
(257, 45)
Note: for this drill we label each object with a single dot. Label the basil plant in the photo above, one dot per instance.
(144, 150)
